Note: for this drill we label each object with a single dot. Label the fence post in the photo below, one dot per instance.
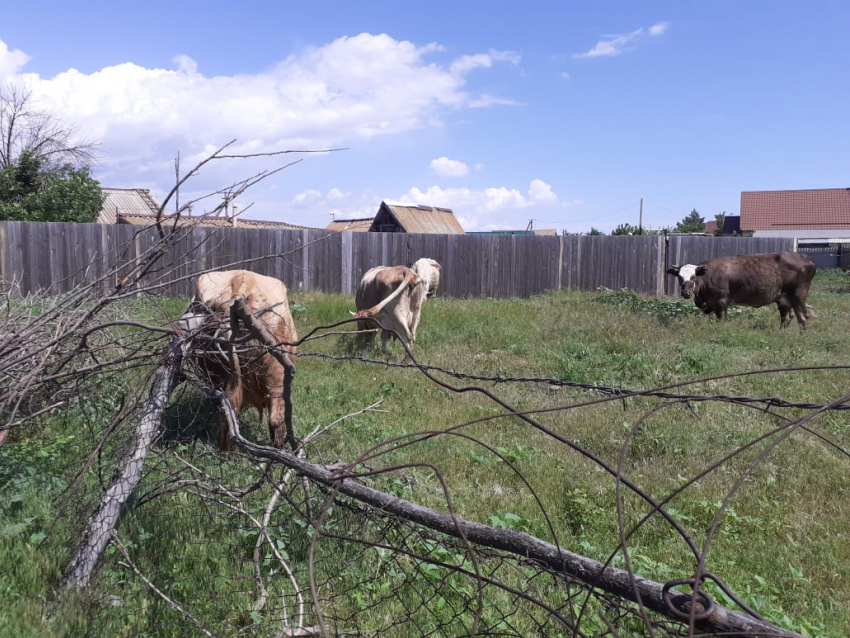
(560, 261)
(346, 256)
(305, 260)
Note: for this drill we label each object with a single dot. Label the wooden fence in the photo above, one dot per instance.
(56, 257)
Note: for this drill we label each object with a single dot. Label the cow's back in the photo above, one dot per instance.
(377, 284)
(266, 296)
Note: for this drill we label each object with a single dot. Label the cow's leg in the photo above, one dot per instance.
(784, 306)
(366, 337)
(801, 311)
(234, 393)
(224, 443)
(277, 426)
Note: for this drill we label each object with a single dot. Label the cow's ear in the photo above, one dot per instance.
(701, 270)
(673, 270)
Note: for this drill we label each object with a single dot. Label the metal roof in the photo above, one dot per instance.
(820, 208)
(420, 219)
(130, 201)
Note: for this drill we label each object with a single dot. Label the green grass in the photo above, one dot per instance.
(783, 545)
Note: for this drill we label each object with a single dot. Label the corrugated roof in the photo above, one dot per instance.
(353, 225)
(130, 201)
(219, 222)
(801, 209)
(419, 219)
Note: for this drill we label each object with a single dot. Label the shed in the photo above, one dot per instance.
(399, 217)
(127, 201)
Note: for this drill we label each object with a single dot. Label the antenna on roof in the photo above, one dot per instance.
(530, 225)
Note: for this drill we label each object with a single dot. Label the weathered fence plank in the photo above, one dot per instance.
(58, 256)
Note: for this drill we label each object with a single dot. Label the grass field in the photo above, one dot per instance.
(782, 545)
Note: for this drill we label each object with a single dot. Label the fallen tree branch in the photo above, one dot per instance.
(105, 518)
(610, 579)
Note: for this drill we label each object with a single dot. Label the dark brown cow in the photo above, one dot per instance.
(248, 374)
(750, 280)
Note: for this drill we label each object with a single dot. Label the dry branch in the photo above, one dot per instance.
(103, 521)
(610, 579)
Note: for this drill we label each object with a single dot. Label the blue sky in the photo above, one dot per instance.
(562, 112)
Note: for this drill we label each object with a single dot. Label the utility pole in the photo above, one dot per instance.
(640, 219)
(177, 182)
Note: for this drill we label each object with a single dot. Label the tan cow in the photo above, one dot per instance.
(394, 295)
(249, 375)
(391, 295)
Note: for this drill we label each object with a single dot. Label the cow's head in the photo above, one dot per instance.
(687, 275)
(429, 271)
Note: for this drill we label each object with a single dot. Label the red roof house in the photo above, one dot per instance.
(814, 209)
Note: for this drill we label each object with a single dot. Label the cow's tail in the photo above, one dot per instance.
(410, 279)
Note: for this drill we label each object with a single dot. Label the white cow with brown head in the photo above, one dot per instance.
(247, 372)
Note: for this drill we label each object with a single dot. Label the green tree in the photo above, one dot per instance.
(719, 219)
(44, 171)
(594, 231)
(625, 229)
(692, 223)
(28, 192)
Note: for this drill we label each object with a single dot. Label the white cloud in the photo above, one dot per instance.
(11, 61)
(486, 101)
(540, 192)
(305, 199)
(658, 29)
(467, 63)
(316, 208)
(351, 89)
(614, 45)
(490, 208)
(445, 167)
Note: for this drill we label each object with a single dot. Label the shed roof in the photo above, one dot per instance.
(130, 201)
(218, 222)
(418, 219)
(819, 208)
(355, 225)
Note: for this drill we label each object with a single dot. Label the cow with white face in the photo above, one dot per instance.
(750, 280)
(428, 270)
(687, 278)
